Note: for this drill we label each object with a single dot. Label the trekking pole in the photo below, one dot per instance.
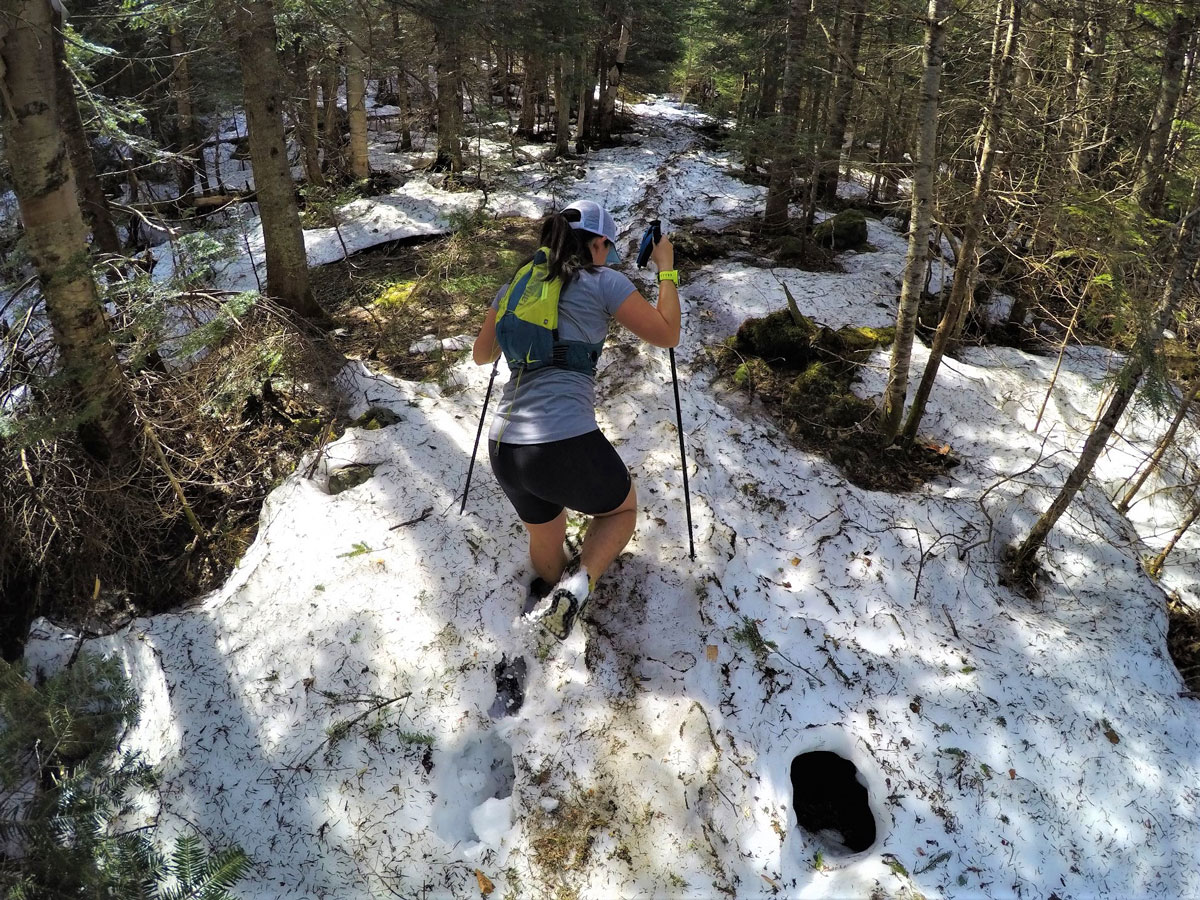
(687, 496)
(652, 236)
(479, 431)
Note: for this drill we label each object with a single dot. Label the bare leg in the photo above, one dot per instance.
(607, 536)
(546, 551)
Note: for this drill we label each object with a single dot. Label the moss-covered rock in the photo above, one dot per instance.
(696, 246)
(845, 231)
(751, 373)
(778, 339)
(791, 251)
(820, 398)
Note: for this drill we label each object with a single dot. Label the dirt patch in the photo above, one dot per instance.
(562, 837)
(802, 372)
(1183, 642)
(404, 295)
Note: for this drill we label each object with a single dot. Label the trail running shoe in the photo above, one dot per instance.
(559, 619)
(539, 590)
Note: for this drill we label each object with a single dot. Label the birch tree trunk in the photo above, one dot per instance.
(262, 86)
(964, 269)
(1150, 172)
(91, 195)
(1148, 344)
(54, 229)
(609, 101)
(847, 67)
(783, 159)
(917, 260)
(356, 104)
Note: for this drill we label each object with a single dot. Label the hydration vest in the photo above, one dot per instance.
(527, 323)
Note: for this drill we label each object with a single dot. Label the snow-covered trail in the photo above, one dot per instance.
(1010, 747)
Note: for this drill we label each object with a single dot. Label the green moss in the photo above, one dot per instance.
(375, 418)
(395, 294)
(778, 338)
(473, 284)
(751, 373)
(791, 250)
(863, 337)
(845, 231)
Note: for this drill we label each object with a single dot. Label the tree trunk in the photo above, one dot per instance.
(1150, 171)
(587, 95)
(1154, 567)
(529, 92)
(356, 104)
(847, 68)
(562, 107)
(1148, 344)
(262, 85)
(402, 85)
(191, 163)
(768, 95)
(917, 260)
(91, 195)
(54, 229)
(307, 115)
(331, 132)
(783, 157)
(609, 100)
(964, 269)
(446, 35)
(1160, 451)
(1091, 74)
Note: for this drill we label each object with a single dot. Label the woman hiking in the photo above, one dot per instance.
(546, 450)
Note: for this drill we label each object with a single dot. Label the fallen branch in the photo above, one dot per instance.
(421, 518)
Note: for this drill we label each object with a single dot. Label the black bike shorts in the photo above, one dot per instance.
(581, 473)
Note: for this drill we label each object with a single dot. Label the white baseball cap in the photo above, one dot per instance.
(595, 218)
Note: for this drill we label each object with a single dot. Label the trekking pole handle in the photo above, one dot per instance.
(652, 236)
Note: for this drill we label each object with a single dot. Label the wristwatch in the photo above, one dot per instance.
(670, 275)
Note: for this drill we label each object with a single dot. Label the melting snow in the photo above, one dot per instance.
(1009, 747)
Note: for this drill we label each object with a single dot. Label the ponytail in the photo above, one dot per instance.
(569, 253)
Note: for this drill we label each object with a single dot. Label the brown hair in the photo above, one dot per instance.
(569, 253)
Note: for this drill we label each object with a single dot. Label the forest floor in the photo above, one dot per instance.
(363, 710)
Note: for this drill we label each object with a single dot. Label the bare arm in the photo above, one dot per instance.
(658, 325)
(486, 348)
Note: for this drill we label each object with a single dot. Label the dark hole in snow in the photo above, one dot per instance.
(831, 803)
(510, 687)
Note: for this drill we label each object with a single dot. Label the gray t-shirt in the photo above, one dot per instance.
(553, 404)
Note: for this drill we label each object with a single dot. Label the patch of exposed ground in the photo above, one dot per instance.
(390, 299)
(802, 372)
(1183, 642)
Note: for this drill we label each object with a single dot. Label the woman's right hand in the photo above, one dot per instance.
(663, 254)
